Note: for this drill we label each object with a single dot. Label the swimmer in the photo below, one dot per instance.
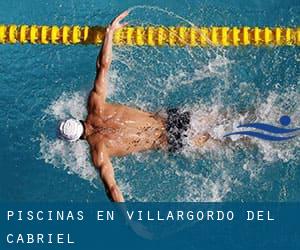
(114, 130)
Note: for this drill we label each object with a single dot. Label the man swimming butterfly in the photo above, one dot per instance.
(117, 130)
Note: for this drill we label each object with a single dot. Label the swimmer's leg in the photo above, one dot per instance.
(200, 140)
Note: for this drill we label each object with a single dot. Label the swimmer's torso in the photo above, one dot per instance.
(124, 130)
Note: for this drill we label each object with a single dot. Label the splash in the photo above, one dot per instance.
(68, 105)
(218, 88)
(218, 120)
(73, 158)
(215, 185)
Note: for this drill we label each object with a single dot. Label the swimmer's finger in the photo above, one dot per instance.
(122, 25)
(122, 16)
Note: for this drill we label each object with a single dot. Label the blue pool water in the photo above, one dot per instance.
(42, 84)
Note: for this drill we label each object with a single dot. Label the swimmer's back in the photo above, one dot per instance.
(126, 130)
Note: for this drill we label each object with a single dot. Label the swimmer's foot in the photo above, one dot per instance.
(200, 140)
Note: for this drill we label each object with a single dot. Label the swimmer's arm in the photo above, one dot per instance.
(103, 164)
(105, 56)
(102, 65)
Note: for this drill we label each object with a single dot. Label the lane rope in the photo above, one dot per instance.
(152, 35)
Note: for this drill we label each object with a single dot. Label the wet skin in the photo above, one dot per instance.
(123, 130)
(118, 130)
(112, 129)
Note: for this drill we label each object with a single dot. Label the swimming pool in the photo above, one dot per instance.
(42, 84)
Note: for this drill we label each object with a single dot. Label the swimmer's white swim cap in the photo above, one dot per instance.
(70, 129)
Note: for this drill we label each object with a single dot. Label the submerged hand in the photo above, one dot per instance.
(115, 24)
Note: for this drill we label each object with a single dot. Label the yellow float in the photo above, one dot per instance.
(152, 35)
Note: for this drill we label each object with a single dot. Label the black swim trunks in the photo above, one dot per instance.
(177, 125)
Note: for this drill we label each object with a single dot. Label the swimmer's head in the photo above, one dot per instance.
(70, 130)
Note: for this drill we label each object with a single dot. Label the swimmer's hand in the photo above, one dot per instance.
(105, 57)
(115, 24)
